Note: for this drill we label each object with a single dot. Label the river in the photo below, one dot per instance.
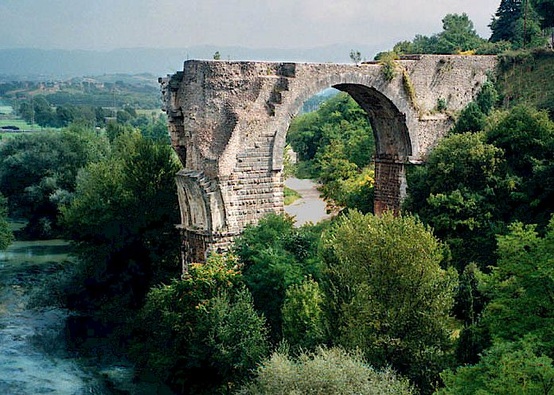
(310, 208)
(34, 356)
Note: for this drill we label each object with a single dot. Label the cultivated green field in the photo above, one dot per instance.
(21, 124)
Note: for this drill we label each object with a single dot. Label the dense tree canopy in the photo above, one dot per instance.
(122, 218)
(517, 22)
(519, 318)
(458, 35)
(277, 256)
(207, 334)
(6, 236)
(38, 173)
(545, 9)
(389, 295)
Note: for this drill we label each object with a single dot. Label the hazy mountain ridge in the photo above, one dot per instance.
(21, 63)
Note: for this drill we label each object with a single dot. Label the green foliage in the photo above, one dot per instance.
(458, 36)
(6, 236)
(337, 143)
(526, 136)
(201, 333)
(545, 8)
(388, 295)
(38, 174)
(303, 315)
(507, 368)
(471, 119)
(462, 192)
(388, 64)
(121, 217)
(517, 22)
(442, 104)
(487, 98)
(325, 372)
(473, 116)
(519, 318)
(276, 256)
(521, 287)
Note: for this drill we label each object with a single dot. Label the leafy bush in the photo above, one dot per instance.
(324, 372)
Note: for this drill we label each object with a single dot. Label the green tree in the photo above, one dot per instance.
(388, 295)
(507, 368)
(304, 323)
(201, 333)
(462, 193)
(545, 8)
(337, 143)
(6, 236)
(521, 287)
(517, 22)
(276, 256)
(38, 173)
(122, 219)
(526, 136)
(458, 35)
(326, 372)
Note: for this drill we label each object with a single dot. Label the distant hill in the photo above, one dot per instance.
(23, 63)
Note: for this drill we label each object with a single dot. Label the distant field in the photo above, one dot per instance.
(149, 112)
(6, 110)
(21, 124)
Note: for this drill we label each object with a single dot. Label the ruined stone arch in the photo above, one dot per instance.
(228, 123)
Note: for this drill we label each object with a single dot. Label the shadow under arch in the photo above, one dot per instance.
(392, 138)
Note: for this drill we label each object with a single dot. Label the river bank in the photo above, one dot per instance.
(35, 354)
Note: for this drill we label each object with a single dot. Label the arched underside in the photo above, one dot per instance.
(389, 124)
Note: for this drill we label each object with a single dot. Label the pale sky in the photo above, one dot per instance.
(111, 24)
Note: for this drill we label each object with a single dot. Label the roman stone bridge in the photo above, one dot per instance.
(228, 123)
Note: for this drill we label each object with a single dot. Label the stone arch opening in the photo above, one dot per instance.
(393, 145)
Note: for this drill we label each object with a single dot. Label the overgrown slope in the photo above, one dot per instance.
(527, 77)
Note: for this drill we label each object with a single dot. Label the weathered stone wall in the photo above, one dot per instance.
(228, 123)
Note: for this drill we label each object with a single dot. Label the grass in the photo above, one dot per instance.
(291, 196)
(21, 124)
(6, 110)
